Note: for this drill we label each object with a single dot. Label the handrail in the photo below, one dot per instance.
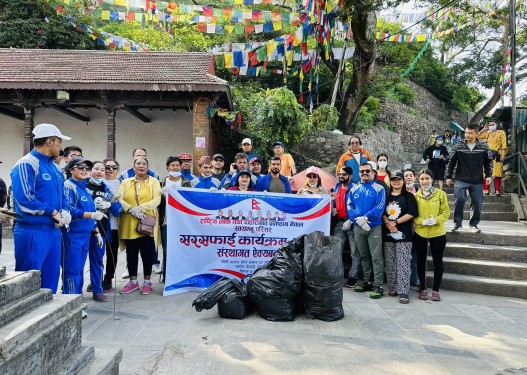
(522, 169)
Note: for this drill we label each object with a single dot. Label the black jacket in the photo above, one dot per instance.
(470, 165)
(435, 162)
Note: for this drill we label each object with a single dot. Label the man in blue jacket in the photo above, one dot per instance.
(365, 206)
(274, 182)
(205, 179)
(38, 191)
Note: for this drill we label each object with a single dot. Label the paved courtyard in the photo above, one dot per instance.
(462, 334)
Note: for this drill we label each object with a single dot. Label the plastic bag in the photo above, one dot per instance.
(323, 272)
(234, 304)
(276, 310)
(210, 296)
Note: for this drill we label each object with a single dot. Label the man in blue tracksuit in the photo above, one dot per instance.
(38, 192)
(205, 179)
(365, 205)
(274, 181)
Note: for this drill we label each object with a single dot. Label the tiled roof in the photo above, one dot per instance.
(108, 70)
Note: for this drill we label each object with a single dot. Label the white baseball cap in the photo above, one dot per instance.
(48, 130)
(247, 140)
(373, 164)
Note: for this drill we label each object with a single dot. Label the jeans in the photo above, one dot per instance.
(356, 267)
(370, 249)
(476, 199)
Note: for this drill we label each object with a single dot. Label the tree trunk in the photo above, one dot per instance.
(363, 25)
(494, 99)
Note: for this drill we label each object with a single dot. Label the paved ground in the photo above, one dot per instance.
(462, 334)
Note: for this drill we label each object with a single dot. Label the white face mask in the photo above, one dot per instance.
(439, 142)
(382, 164)
(426, 188)
(204, 176)
(97, 181)
(312, 184)
(174, 174)
(244, 186)
(409, 186)
(493, 127)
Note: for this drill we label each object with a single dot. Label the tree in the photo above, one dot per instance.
(33, 24)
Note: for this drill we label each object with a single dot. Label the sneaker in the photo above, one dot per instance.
(377, 292)
(100, 297)
(84, 314)
(130, 287)
(107, 287)
(125, 275)
(364, 287)
(156, 268)
(351, 283)
(146, 288)
(474, 229)
(89, 289)
(456, 228)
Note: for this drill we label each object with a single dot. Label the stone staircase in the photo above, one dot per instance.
(41, 333)
(493, 208)
(485, 263)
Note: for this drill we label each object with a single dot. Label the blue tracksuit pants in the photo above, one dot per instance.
(96, 264)
(38, 248)
(75, 254)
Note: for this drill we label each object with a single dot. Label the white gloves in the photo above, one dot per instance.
(334, 212)
(164, 189)
(58, 218)
(361, 220)
(100, 242)
(366, 227)
(213, 189)
(103, 205)
(66, 217)
(137, 212)
(347, 225)
(98, 216)
(430, 221)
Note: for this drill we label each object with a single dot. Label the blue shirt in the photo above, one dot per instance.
(38, 189)
(366, 199)
(264, 182)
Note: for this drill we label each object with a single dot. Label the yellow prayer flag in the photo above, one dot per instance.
(289, 57)
(420, 38)
(238, 2)
(277, 25)
(271, 46)
(120, 2)
(228, 60)
(105, 15)
(229, 28)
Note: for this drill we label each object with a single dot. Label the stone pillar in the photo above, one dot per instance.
(200, 128)
(29, 114)
(110, 146)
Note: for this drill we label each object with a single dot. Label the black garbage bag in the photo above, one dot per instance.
(234, 304)
(296, 245)
(323, 273)
(274, 287)
(210, 296)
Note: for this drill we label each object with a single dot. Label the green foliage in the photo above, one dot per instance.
(367, 114)
(278, 116)
(32, 24)
(324, 117)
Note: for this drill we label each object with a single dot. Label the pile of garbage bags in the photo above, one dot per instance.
(306, 272)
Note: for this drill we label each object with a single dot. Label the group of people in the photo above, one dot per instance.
(88, 209)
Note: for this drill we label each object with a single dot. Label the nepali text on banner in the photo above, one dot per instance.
(211, 234)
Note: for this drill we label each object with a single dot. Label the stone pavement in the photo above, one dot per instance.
(462, 334)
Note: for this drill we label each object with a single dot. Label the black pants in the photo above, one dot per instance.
(437, 248)
(112, 249)
(144, 245)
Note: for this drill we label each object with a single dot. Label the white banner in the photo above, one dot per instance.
(212, 234)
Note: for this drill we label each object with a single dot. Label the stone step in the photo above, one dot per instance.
(488, 207)
(17, 285)
(2, 271)
(487, 238)
(77, 361)
(486, 252)
(484, 268)
(481, 285)
(491, 216)
(105, 362)
(39, 341)
(505, 199)
(17, 308)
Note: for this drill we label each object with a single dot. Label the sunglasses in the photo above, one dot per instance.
(111, 167)
(312, 176)
(83, 168)
(365, 171)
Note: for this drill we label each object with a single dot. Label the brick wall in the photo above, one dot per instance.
(200, 128)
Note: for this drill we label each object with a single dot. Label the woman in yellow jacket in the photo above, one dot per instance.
(433, 211)
(140, 195)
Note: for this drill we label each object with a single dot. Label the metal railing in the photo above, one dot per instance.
(522, 175)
